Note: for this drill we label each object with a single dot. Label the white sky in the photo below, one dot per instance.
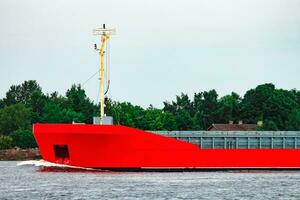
(162, 48)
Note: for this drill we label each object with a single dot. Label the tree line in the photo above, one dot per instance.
(26, 104)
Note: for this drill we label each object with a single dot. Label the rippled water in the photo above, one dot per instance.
(33, 182)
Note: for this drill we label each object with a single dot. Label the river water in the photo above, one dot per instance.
(29, 181)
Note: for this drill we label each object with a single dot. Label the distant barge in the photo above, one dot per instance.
(114, 147)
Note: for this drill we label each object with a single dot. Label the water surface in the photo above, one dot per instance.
(37, 182)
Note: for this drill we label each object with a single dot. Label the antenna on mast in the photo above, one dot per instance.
(105, 34)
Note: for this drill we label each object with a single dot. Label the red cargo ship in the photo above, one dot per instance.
(118, 147)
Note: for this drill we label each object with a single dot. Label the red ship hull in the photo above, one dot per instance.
(120, 147)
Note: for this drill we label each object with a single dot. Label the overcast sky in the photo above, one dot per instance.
(162, 48)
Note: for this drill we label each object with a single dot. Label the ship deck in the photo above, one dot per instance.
(238, 139)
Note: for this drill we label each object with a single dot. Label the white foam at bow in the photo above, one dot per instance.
(43, 163)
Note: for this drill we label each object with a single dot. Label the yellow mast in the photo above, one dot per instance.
(105, 36)
(104, 39)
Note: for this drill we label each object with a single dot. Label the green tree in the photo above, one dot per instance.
(230, 107)
(297, 96)
(157, 119)
(182, 103)
(80, 103)
(37, 103)
(153, 119)
(60, 100)
(169, 121)
(255, 101)
(14, 117)
(199, 120)
(183, 111)
(2, 104)
(269, 125)
(279, 106)
(293, 122)
(22, 93)
(208, 107)
(5, 142)
(53, 113)
(267, 103)
(26, 103)
(127, 114)
(184, 120)
(23, 139)
(30, 94)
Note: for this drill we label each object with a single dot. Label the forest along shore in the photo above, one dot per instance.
(20, 154)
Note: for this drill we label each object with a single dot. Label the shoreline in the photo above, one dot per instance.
(18, 154)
